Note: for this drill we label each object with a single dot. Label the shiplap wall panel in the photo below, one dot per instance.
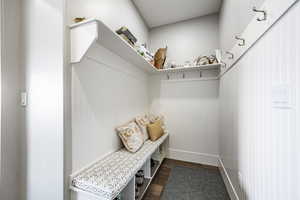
(259, 142)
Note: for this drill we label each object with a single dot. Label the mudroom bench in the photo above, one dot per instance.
(114, 176)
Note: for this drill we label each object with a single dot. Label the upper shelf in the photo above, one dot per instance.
(85, 33)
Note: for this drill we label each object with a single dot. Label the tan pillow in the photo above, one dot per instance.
(153, 118)
(142, 122)
(155, 130)
(131, 136)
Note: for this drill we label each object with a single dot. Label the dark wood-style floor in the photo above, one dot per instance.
(160, 180)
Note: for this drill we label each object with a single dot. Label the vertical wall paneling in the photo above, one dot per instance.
(259, 100)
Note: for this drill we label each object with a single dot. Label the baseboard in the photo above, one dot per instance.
(230, 188)
(188, 156)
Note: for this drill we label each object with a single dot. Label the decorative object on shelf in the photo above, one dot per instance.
(170, 64)
(205, 60)
(143, 51)
(140, 178)
(79, 19)
(160, 58)
(127, 35)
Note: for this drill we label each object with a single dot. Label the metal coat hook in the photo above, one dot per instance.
(168, 76)
(241, 39)
(183, 75)
(260, 11)
(200, 74)
(231, 54)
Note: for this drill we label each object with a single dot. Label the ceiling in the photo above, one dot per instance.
(162, 12)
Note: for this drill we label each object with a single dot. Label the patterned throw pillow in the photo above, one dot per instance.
(142, 122)
(131, 136)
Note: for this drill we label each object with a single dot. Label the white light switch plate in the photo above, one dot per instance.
(24, 99)
(281, 96)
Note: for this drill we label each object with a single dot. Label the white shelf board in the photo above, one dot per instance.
(193, 68)
(85, 33)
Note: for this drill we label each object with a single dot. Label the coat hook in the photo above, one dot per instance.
(183, 75)
(200, 74)
(168, 76)
(243, 41)
(260, 11)
(231, 54)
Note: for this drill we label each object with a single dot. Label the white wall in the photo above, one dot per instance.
(43, 70)
(10, 108)
(259, 142)
(234, 17)
(191, 109)
(190, 106)
(107, 92)
(187, 40)
(115, 14)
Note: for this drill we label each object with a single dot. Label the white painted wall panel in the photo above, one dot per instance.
(114, 14)
(43, 73)
(191, 109)
(107, 92)
(187, 40)
(259, 142)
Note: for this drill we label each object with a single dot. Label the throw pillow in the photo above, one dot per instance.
(142, 122)
(155, 130)
(131, 136)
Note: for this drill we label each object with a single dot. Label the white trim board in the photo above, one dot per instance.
(195, 157)
(229, 186)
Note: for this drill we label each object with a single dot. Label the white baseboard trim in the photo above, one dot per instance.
(188, 156)
(228, 183)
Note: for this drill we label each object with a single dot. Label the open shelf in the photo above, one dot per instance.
(85, 33)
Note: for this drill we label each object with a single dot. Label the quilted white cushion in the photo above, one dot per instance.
(109, 176)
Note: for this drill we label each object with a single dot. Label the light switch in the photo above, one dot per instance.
(281, 96)
(24, 99)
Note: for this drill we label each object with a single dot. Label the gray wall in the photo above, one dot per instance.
(10, 113)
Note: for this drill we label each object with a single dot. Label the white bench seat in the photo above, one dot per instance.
(109, 176)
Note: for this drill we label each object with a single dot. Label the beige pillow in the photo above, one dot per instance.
(131, 136)
(155, 130)
(142, 122)
(153, 118)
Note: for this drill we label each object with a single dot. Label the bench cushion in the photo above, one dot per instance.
(109, 176)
